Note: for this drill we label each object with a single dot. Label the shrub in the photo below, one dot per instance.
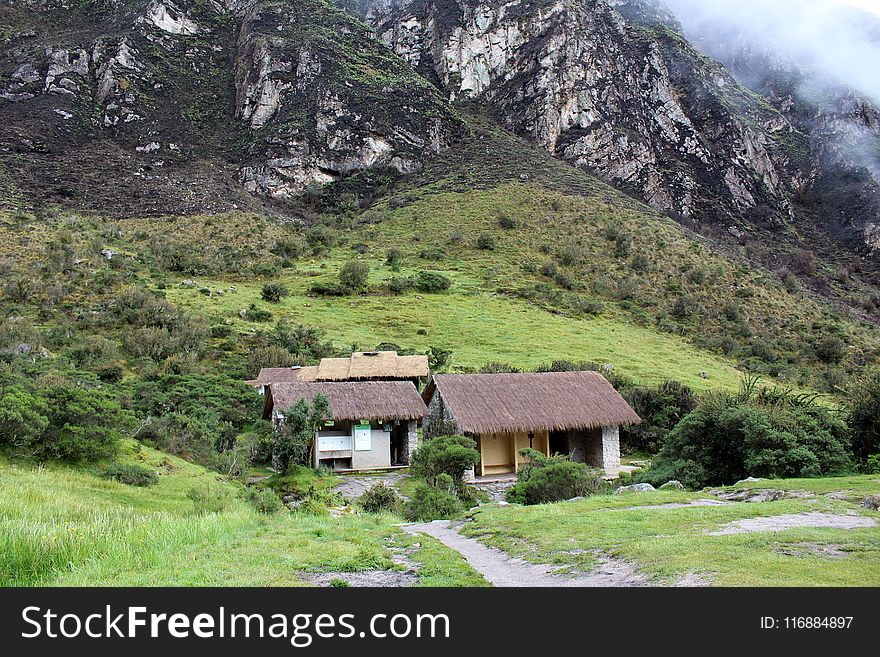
(263, 500)
(757, 432)
(873, 465)
(507, 222)
(327, 290)
(830, 349)
(293, 440)
(439, 358)
(432, 281)
(274, 292)
(399, 285)
(353, 275)
(207, 498)
(429, 503)
(131, 474)
(661, 409)
(450, 455)
(256, 314)
(864, 415)
(543, 480)
(380, 499)
(394, 256)
(486, 242)
(270, 356)
(570, 255)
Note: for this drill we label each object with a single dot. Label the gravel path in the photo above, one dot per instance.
(500, 569)
(794, 520)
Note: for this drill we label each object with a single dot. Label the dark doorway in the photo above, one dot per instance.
(399, 444)
(558, 442)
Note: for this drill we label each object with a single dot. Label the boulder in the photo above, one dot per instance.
(672, 485)
(872, 502)
(635, 488)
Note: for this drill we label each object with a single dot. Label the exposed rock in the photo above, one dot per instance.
(672, 485)
(871, 502)
(635, 488)
(610, 86)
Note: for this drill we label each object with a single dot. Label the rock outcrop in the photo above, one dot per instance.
(609, 85)
(179, 97)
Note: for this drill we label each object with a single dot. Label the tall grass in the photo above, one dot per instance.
(52, 521)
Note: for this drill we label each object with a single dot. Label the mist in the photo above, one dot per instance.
(834, 40)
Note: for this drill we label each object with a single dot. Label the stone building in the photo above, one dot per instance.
(374, 423)
(574, 413)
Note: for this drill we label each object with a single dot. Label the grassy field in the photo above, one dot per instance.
(671, 543)
(65, 526)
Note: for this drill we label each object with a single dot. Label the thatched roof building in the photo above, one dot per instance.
(352, 401)
(575, 413)
(373, 365)
(551, 401)
(360, 366)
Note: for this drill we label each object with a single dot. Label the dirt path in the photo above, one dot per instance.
(500, 569)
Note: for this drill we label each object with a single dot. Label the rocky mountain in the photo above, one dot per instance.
(182, 106)
(610, 86)
(842, 163)
(154, 105)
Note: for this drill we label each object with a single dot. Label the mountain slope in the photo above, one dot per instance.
(190, 103)
(611, 87)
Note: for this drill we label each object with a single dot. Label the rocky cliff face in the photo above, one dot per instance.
(609, 85)
(841, 156)
(277, 95)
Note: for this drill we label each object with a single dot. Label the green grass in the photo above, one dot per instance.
(67, 526)
(667, 544)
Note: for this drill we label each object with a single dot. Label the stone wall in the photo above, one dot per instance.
(611, 450)
(439, 421)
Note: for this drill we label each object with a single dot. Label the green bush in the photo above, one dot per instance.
(207, 498)
(873, 465)
(274, 292)
(353, 275)
(660, 408)
(541, 480)
(429, 503)
(293, 441)
(394, 256)
(432, 281)
(131, 474)
(380, 499)
(759, 433)
(864, 415)
(322, 289)
(450, 455)
(486, 242)
(263, 500)
(256, 314)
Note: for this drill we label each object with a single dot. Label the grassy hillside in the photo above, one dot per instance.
(545, 263)
(67, 526)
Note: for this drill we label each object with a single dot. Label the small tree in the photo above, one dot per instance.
(353, 275)
(294, 439)
(450, 455)
(438, 358)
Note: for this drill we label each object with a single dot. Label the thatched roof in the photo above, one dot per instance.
(373, 365)
(554, 401)
(363, 400)
(269, 375)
